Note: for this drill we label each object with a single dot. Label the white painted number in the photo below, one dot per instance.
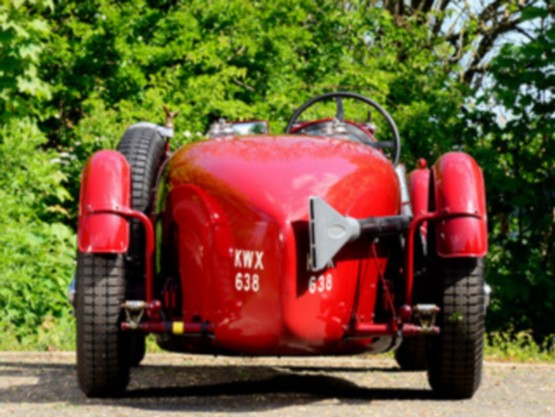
(255, 283)
(247, 282)
(329, 282)
(249, 260)
(320, 284)
(312, 285)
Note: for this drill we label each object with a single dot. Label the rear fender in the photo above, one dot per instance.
(105, 186)
(458, 185)
(419, 184)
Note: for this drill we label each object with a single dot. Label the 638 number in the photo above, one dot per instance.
(247, 282)
(322, 283)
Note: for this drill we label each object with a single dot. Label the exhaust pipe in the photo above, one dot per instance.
(329, 231)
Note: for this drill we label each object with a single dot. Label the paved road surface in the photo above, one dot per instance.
(44, 384)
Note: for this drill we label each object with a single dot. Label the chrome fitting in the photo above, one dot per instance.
(426, 316)
(134, 312)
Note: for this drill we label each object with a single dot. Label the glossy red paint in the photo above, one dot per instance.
(105, 187)
(418, 184)
(459, 187)
(240, 209)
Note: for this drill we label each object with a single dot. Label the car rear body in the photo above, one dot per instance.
(238, 208)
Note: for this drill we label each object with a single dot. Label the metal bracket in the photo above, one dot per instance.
(426, 316)
(134, 312)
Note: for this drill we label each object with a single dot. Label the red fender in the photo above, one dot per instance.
(419, 183)
(459, 188)
(105, 186)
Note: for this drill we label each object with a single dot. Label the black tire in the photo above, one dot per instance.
(102, 366)
(144, 149)
(412, 355)
(456, 355)
(137, 348)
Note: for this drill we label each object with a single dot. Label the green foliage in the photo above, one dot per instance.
(517, 152)
(519, 347)
(36, 247)
(236, 59)
(22, 32)
(36, 251)
(53, 334)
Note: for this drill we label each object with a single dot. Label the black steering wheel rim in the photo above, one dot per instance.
(360, 97)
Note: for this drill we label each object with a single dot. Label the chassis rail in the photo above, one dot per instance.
(146, 316)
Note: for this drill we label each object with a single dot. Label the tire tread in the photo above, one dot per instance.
(102, 370)
(456, 355)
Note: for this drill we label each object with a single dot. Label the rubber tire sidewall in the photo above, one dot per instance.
(102, 366)
(455, 358)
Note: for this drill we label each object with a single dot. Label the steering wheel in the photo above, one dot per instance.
(339, 115)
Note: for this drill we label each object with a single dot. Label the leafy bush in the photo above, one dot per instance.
(517, 153)
(519, 346)
(36, 249)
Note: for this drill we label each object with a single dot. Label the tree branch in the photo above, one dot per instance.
(485, 43)
(523, 32)
(439, 21)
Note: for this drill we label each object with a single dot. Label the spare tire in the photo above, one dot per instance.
(145, 150)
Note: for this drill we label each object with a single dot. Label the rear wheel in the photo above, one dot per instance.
(137, 348)
(455, 356)
(102, 365)
(144, 149)
(412, 354)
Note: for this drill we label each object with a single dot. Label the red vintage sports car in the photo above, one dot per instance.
(311, 242)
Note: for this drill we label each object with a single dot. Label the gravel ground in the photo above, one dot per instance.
(44, 384)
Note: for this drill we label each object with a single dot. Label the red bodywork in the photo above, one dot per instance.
(459, 187)
(419, 184)
(243, 239)
(105, 186)
(230, 252)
